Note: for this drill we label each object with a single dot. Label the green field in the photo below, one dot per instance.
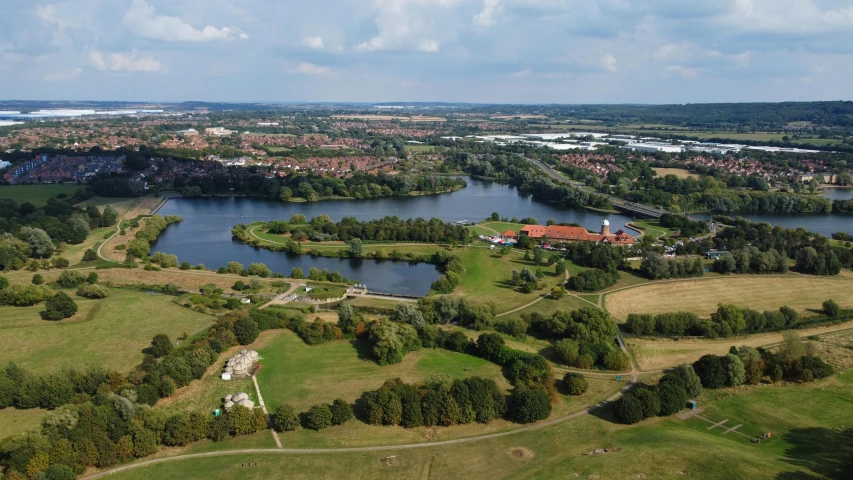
(13, 421)
(804, 421)
(303, 375)
(420, 148)
(111, 332)
(36, 194)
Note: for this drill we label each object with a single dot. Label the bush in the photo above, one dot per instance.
(246, 330)
(672, 398)
(70, 279)
(93, 291)
(90, 256)
(38, 279)
(285, 418)
(318, 417)
(341, 412)
(711, 371)
(575, 383)
(58, 307)
(161, 345)
(92, 278)
(4, 283)
(648, 397)
(530, 405)
(628, 409)
(831, 309)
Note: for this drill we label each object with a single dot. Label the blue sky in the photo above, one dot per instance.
(496, 51)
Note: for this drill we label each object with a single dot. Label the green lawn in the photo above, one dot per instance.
(802, 418)
(36, 194)
(111, 332)
(303, 375)
(653, 228)
(74, 253)
(14, 421)
(420, 148)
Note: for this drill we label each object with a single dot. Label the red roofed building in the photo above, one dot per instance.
(560, 233)
(509, 235)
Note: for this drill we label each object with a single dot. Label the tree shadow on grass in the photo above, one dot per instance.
(828, 453)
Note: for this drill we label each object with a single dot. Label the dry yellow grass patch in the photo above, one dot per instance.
(678, 172)
(660, 353)
(702, 296)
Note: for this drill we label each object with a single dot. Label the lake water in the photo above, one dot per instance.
(824, 224)
(205, 234)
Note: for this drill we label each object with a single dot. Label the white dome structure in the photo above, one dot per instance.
(239, 398)
(240, 365)
(606, 222)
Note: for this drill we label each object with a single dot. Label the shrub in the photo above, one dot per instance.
(530, 405)
(92, 278)
(93, 291)
(831, 309)
(90, 256)
(672, 398)
(341, 412)
(246, 330)
(628, 409)
(575, 383)
(648, 398)
(58, 307)
(318, 417)
(285, 418)
(38, 279)
(161, 345)
(70, 279)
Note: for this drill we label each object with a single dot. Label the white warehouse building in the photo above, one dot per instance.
(653, 147)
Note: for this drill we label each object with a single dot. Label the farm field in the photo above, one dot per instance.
(678, 172)
(111, 332)
(658, 353)
(804, 420)
(702, 296)
(36, 194)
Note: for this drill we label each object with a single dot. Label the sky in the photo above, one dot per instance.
(481, 51)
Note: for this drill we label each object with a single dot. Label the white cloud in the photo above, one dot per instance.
(410, 25)
(306, 68)
(144, 21)
(314, 43)
(608, 61)
(789, 16)
(117, 62)
(63, 75)
(684, 72)
(486, 17)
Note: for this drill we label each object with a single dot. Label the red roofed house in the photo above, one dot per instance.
(577, 234)
(509, 235)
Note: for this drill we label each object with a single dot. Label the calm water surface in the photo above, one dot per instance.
(205, 234)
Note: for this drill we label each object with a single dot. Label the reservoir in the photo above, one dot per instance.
(205, 234)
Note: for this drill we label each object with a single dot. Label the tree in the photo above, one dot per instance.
(530, 405)
(110, 216)
(648, 398)
(297, 273)
(39, 241)
(246, 330)
(575, 383)
(259, 270)
(711, 371)
(90, 255)
(672, 398)
(318, 417)
(628, 409)
(557, 293)
(735, 371)
(831, 309)
(285, 418)
(341, 411)
(356, 249)
(92, 278)
(58, 307)
(490, 346)
(686, 377)
(58, 472)
(567, 351)
(242, 421)
(792, 347)
(161, 345)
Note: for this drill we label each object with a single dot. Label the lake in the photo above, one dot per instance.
(205, 234)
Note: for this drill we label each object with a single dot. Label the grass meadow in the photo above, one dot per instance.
(111, 332)
(36, 194)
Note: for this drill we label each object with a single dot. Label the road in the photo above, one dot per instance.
(636, 208)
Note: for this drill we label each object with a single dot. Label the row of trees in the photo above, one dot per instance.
(593, 280)
(669, 396)
(153, 226)
(728, 320)
(319, 416)
(687, 227)
(387, 229)
(655, 267)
